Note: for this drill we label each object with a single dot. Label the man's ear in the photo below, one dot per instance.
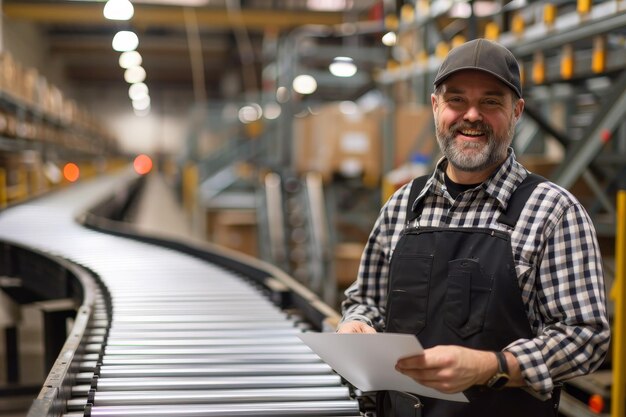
(519, 109)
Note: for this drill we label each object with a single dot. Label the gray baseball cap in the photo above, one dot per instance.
(482, 55)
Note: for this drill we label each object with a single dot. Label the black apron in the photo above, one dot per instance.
(458, 286)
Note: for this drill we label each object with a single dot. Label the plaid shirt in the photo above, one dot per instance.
(557, 261)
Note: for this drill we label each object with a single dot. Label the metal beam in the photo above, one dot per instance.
(543, 38)
(609, 116)
(89, 14)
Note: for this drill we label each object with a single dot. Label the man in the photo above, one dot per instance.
(497, 271)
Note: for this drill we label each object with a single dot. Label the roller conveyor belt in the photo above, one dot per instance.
(170, 334)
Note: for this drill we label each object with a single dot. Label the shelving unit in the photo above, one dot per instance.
(40, 131)
(573, 61)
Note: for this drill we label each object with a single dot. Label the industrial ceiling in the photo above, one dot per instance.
(218, 46)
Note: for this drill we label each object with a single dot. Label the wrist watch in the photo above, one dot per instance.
(501, 377)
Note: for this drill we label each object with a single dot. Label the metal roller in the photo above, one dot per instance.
(197, 383)
(114, 398)
(118, 371)
(171, 334)
(292, 408)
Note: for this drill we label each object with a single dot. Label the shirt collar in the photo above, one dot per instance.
(500, 185)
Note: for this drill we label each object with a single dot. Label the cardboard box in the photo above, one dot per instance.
(414, 132)
(331, 141)
(234, 229)
(347, 260)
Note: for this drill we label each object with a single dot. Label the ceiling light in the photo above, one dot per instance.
(142, 104)
(125, 40)
(328, 5)
(282, 94)
(389, 39)
(135, 75)
(118, 10)
(250, 113)
(342, 66)
(137, 91)
(304, 84)
(142, 113)
(272, 111)
(130, 59)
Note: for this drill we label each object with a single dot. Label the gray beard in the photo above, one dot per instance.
(492, 153)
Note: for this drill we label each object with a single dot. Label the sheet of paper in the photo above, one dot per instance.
(368, 361)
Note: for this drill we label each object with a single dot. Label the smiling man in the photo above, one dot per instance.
(496, 270)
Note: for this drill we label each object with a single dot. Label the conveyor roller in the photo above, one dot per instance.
(171, 334)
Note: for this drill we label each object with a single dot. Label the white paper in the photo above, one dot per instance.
(368, 361)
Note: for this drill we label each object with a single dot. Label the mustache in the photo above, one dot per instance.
(462, 125)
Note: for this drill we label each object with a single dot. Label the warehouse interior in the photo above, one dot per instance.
(277, 129)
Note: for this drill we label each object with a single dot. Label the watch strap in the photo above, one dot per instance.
(501, 377)
(503, 367)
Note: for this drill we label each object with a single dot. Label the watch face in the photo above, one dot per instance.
(498, 381)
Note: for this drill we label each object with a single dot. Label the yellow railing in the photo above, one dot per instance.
(618, 388)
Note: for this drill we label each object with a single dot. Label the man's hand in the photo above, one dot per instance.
(449, 369)
(355, 327)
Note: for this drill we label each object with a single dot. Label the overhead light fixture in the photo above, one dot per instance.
(118, 10)
(130, 59)
(142, 113)
(125, 40)
(250, 113)
(142, 104)
(282, 94)
(137, 91)
(135, 75)
(328, 5)
(272, 110)
(304, 84)
(342, 66)
(389, 39)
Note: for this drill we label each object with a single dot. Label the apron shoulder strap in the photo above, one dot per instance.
(416, 187)
(519, 198)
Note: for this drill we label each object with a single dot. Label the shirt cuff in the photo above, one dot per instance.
(533, 368)
(356, 317)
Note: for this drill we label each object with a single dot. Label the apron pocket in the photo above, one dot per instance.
(407, 301)
(467, 297)
(397, 404)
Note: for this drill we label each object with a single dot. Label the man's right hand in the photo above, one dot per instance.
(355, 327)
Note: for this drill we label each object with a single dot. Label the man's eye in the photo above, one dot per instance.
(492, 102)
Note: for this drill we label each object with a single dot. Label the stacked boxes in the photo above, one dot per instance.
(333, 142)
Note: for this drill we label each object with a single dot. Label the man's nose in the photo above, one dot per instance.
(473, 114)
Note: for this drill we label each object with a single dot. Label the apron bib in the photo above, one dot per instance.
(458, 286)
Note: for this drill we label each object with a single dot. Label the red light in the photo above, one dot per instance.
(596, 403)
(142, 164)
(71, 172)
(605, 135)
